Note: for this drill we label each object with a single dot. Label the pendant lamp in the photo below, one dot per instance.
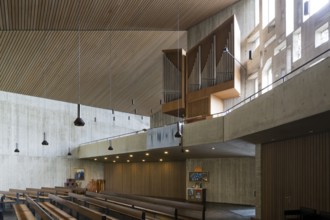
(110, 145)
(79, 121)
(44, 142)
(16, 149)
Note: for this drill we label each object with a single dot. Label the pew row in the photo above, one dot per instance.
(56, 212)
(153, 211)
(37, 209)
(185, 210)
(111, 208)
(79, 210)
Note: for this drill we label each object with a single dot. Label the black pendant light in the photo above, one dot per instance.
(16, 149)
(79, 121)
(178, 133)
(69, 153)
(110, 145)
(44, 142)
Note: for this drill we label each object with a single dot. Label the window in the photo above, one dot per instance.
(289, 16)
(267, 76)
(322, 35)
(296, 45)
(268, 12)
(311, 7)
(256, 13)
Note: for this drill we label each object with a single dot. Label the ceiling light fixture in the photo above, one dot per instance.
(79, 121)
(69, 153)
(16, 149)
(178, 134)
(110, 145)
(44, 142)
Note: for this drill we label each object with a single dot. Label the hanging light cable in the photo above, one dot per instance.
(79, 121)
(178, 134)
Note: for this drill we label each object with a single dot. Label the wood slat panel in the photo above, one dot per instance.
(104, 14)
(121, 42)
(295, 173)
(166, 179)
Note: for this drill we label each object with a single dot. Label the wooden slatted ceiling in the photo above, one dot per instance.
(121, 48)
(105, 14)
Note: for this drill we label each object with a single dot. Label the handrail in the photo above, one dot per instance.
(222, 113)
(265, 88)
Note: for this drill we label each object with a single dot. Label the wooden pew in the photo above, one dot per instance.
(56, 212)
(23, 212)
(80, 210)
(151, 209)
(110, 207)
(33, 205)
(17, 197)
(185, 210)
(41, 194)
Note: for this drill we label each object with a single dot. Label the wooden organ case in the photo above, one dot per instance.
(197, 82)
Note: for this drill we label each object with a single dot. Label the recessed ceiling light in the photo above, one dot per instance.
(143, 160)
(127, 161)
(166, 152)
(95, 158)
(213, 148)
(117, 157)
(105, 158)
(186, 150)
(147, 154)
(131, 155)
(161, 160)
(114, 161)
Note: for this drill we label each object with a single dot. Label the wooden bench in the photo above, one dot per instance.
(185, 210)
(112, 209)
(56, 212)
(79, 210)
(23, 212)
(152, 210)
(17, 197)
(37, 209)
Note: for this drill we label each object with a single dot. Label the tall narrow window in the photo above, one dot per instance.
(256, 12)
(267, 76)
(311, 7)
(268, 12)
(289, 16)
(296, 45)
(322, 35)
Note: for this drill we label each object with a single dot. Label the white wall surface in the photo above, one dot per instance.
(23, 121)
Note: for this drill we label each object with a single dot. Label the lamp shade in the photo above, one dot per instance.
(16, 149)
(44, 142)
(79, 121)
(110, 145)
(178, 134)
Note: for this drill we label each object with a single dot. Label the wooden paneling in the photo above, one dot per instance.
(166, 179)
(295, 173)
(231, 180)
(121, 43)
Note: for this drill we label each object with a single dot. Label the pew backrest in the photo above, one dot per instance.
(91, 214)
(126, 211)
(35, 206)
(146, 206)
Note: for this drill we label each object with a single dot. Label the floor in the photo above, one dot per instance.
(214, 211)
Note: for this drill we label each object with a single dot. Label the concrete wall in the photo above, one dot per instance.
(231, 180)
(304, 95)
(23, 121)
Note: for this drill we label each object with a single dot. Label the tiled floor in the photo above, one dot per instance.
(213, 212)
